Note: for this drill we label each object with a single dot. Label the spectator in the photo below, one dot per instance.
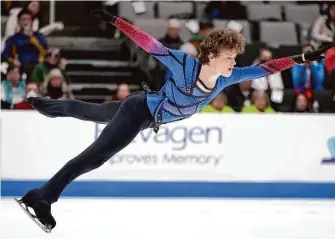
(31, 91)
(12, 89)
(7, 6)
(231, 10)
(172, 38)
(330, 61)
(260, 103)
(218, 104)
(301, 104)
(53, 60)
(122, 92)
(25, 48)
(323, 30)
(205, 26)
(270, 82)
(55, 86)
(240, 95)
(308, 76)
(34, 7)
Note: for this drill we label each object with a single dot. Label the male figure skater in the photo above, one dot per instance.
(194, 83)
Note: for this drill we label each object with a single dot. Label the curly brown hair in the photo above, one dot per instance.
(218, 40)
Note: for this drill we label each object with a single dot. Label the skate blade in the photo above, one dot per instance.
(46, 228)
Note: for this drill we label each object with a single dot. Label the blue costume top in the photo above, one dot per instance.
(180, 97)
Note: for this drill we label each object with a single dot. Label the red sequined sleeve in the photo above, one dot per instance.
(141, 38)
(279, 64)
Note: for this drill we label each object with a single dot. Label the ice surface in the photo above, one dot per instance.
(175, 219)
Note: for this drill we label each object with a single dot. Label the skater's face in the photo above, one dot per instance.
(224, 62)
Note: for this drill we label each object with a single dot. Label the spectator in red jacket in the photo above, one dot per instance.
(330, 61)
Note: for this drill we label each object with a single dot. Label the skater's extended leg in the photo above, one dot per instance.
(99, 113)
(132, 117)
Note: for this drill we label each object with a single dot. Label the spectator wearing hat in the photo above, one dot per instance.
(56, 87)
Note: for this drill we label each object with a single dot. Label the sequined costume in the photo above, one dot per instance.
(180, 97)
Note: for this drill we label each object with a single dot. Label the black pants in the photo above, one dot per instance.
(125, 120)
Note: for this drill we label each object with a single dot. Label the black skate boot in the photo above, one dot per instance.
(42, 209)
(48, 107)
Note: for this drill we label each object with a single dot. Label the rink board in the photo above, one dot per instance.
(208, 155)
(286, 190)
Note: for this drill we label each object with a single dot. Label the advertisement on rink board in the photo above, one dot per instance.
(206, 147)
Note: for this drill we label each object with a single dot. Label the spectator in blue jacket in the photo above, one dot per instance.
(310, 75)
(25, 48)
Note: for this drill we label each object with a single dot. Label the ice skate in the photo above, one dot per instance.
(41, 214)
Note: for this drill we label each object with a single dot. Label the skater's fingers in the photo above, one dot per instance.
(102, 15)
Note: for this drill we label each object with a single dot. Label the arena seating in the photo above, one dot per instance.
(99, 61)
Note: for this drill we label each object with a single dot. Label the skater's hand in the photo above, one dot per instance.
(317, 54)
(103, 15)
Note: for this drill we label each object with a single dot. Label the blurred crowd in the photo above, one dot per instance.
(31, 68)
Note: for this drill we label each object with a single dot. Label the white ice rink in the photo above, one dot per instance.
(176, 219)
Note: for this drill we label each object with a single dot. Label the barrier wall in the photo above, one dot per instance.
(208, 155)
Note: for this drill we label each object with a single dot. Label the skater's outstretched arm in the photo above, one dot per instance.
(169, 57)
(273, 66)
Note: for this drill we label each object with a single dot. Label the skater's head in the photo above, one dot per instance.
(13, 74)
(220, 48)
(122, 91)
